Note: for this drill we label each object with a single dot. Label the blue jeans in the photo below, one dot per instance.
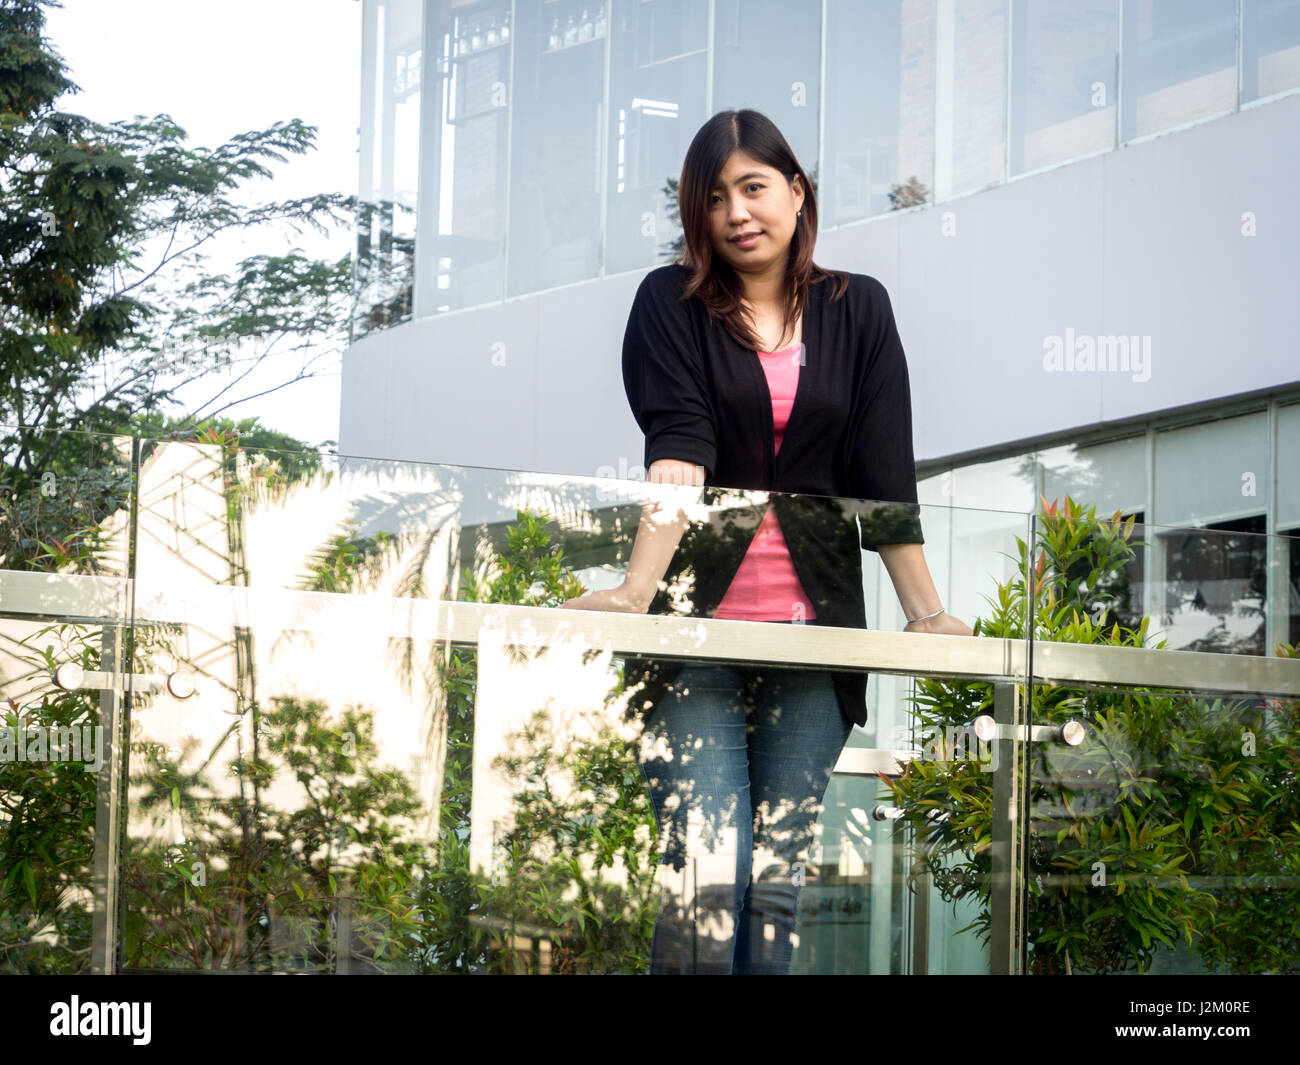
(737, 759)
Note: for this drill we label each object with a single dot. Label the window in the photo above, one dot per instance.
(1063, 100)
(555, 164)
(879, 108)
(1270, 61)
(658, 87)
(1180, 63)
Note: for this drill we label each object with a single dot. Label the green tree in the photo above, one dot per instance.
(109, 310)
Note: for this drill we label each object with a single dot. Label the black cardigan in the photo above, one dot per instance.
(846, 467)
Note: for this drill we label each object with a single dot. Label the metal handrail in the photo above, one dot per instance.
(100, 600)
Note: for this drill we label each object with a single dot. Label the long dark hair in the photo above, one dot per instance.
(712, 277)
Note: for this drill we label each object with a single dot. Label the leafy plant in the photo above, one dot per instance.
(1175, 821)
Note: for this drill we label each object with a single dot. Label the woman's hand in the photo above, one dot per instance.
(621, 598)
(944, 623)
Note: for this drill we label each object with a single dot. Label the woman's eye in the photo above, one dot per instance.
(716, 199)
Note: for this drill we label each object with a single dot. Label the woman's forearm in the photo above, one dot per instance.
(911, 576)
(659, 532)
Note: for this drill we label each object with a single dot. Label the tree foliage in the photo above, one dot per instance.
(110, 314)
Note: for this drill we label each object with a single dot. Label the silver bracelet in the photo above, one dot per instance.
(927, 617)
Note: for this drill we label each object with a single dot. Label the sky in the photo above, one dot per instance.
(223, 68)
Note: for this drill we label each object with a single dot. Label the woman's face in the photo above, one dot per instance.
(753, 201)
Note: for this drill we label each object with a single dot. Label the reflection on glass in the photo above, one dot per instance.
(879, 145)
(1063, 68)
(1113, 475)
(970, 95)
(767, 56)
(1167, 841)
(1180, 63)
(1216, 587)
(737, 762)
(1270, 49)
(63, 497)
(463, 223)
(64, 606)
(1290, 544)
(556, 152)
(392, 79)
(320, 780)
(658, 64)
(343, 793)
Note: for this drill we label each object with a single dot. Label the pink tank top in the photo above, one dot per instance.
(766, 587)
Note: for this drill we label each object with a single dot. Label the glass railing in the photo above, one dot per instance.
(367, 735)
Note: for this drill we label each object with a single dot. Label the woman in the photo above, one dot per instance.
(749, 367)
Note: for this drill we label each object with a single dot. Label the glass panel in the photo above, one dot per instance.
(65, 502)
(1165, 842)
(363, 739)
(971, 95)
(1212, 472)
(658, 86)
(879, 157)
(463, 196)
(921, 724)
(1063, 70)
(1180, 63)
(767, 56)
(1270, 48)
(65, 536)
(375, 773)
(1160, 827)
(392, 74)
(559, 114)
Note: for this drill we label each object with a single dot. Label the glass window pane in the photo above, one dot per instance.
(658, 86)
(879, 108)
(1270, 47)
(392, 71)
(1290, 558)
(1213, 472)
(970, 96)
(1003, 484)
(1288, 470)
(1062, 80)
(1215, 586)
(767, 55)
(462, 237)
(1180, 62)
(1113, 475)
(555, 160)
